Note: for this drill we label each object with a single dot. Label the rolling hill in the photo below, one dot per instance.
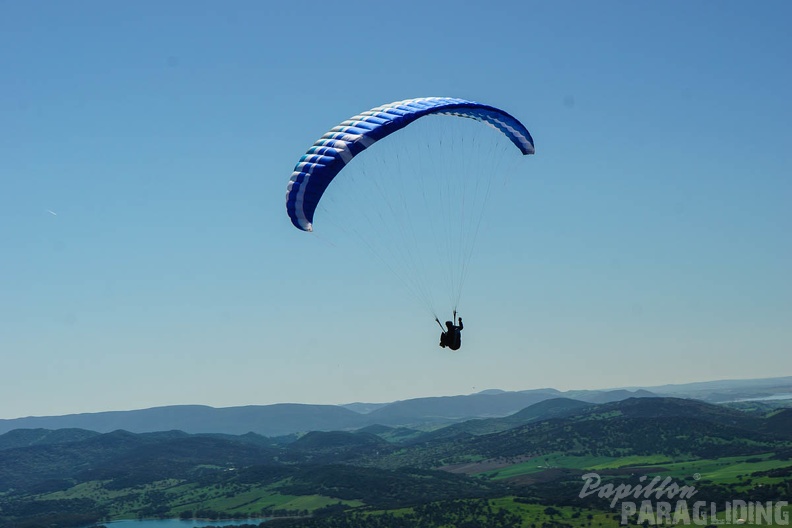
(47, 474)
(285, 419)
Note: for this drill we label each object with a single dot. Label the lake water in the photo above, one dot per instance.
(177, 523)
(783, 396)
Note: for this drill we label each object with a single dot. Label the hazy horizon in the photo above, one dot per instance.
(562, 391)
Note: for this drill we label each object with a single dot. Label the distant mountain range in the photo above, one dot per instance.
(627, 427)
(723, 391)
(77, 477)
(413, 414)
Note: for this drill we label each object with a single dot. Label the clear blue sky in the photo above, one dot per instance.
(650, 244)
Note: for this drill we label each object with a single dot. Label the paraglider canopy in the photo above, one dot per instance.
(330, 153)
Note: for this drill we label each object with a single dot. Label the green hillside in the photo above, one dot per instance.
(528, 475)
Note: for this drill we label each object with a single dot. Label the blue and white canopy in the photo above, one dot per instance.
(325, 159)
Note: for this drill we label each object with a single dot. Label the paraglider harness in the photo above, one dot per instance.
(452, 334)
